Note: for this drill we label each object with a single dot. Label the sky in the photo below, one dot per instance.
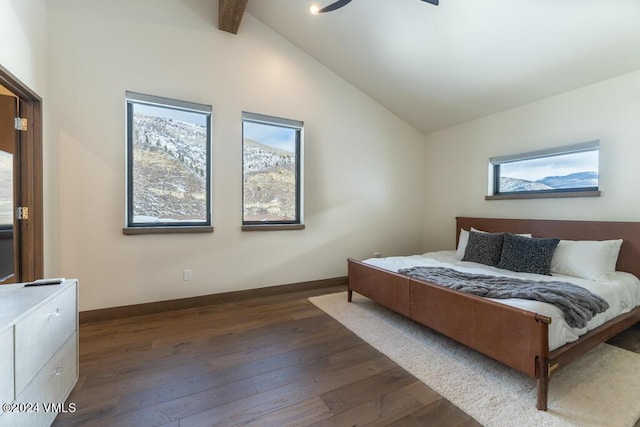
(535, 169)
(279, 137)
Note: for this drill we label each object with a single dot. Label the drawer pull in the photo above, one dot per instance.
(58, 371)
(56, 313)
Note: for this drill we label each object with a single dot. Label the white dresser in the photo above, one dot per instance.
(38, 352)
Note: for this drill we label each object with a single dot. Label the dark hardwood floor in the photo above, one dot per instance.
(275, 360)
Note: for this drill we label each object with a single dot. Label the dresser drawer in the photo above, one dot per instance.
(6, 367)
(51, 385)
(40, 334)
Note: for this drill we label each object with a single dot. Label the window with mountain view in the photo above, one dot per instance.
(272, 172)
(168, 163)
(570, 169)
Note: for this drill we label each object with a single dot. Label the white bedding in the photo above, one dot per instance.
(621, 290)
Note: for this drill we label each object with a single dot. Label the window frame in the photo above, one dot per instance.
(298, 126)
(496, 162)
(132, 227)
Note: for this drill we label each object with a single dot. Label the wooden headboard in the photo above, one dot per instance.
(629, 232)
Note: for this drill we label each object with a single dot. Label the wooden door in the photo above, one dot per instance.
(9, 183)
(27, 174)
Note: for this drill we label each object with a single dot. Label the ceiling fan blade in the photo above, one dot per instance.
(334, 6)
(433, 2)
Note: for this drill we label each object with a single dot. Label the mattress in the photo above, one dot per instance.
(621, 290)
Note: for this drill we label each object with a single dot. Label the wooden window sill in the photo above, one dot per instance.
(557, 195)
(272, 227)
(166, 230)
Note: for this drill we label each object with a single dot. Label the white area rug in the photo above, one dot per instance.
(600, 389)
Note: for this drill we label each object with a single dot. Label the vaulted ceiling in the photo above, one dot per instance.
(440, 66)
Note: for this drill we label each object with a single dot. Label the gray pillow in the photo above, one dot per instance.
(485, 248)
(527, 254)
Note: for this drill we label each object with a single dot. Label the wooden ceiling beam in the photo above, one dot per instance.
(230, 14)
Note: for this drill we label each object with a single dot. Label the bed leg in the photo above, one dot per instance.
(349, 295)
(543, 382)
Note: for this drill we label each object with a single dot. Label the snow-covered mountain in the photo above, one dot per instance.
(261, 158)
(508, 185)
(269, 183)
(169, 172)
(574, 180)
(183, 141)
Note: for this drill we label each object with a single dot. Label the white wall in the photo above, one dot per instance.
(23, 29)
(457, 158)
(23, 52)
(363, 165)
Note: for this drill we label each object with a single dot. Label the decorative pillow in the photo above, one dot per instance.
(587, 259)
(527, 254)
(464, 239)
(484, 248)
(462, 243)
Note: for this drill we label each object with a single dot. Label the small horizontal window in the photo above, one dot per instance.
(569, 170)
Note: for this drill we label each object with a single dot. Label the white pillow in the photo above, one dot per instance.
(464, 239)
(462, 243)
(587, 259)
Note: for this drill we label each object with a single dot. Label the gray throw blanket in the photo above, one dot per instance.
(577, 303)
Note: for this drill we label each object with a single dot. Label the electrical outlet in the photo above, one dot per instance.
(186, 275)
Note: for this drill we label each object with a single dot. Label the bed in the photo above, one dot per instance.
(517, 337)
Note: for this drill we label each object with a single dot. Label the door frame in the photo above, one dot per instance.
(31, 230)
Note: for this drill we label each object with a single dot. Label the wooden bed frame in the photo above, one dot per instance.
(515, 337)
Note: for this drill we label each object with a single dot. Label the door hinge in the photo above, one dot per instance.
(22, 213)
(21, 123)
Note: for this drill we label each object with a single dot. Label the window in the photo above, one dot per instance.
(570, 171)
(272, 172)
(168, 165)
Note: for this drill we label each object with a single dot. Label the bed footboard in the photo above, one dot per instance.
(512, 336)
(384, 287)
(515, 337)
